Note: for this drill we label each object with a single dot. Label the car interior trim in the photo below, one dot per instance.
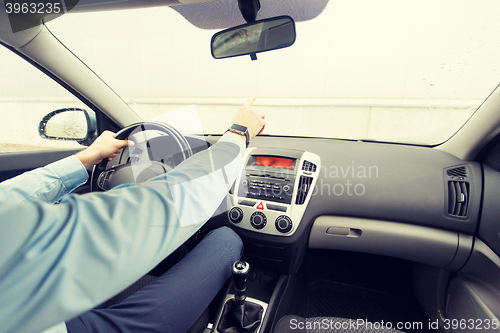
(475, 291)
(32, 159)
(264, 306)
(417, 243)
(477, 132)
(272, 200)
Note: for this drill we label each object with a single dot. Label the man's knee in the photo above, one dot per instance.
(228, 236)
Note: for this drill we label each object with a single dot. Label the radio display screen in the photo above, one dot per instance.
(272, 161)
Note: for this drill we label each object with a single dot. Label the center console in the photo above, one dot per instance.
(267, 205)
(272, 192)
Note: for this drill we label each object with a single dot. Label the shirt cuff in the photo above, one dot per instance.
(70, 171)
(233, 138)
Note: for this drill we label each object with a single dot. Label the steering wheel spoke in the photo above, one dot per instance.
(137, 170)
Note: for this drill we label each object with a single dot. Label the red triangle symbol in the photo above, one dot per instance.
(260, 206)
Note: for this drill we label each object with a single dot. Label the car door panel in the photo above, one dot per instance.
(473, 298)
(13, 164)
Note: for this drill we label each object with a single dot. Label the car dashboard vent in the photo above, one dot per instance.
(457, 172)
(304, 187)
(309, 166)
(458, 198)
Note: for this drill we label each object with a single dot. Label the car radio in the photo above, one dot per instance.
(268, 178)
(273, 189)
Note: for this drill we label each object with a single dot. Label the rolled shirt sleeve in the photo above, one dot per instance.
(47, 184)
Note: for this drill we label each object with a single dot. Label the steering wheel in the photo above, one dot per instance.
(136, 169)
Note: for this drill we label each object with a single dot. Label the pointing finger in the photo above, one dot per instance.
(250, 101)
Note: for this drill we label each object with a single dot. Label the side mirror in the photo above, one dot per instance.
(69, 124)
(251, 38)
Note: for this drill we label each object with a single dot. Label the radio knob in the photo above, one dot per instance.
(283, 224)
(236, 215)
(244, 182)
(258, 220)
(286, 188)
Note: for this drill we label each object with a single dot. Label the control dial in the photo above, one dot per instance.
(236, 215)
(258, 220)
(283, 224)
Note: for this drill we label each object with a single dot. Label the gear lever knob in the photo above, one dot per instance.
(240, 275)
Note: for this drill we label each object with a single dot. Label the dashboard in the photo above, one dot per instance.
(414, 203)
(410, 202)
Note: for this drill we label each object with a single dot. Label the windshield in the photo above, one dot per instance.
(397, 71)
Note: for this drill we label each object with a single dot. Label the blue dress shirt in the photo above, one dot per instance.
(58, 261)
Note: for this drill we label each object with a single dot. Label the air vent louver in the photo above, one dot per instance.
(304, 186)
(308, 166)
(458, 196)
(457, 172)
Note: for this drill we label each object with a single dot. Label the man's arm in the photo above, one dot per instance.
(47, 184)
(59, 261)
(54, 181)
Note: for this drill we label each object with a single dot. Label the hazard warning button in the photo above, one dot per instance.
(260, 206)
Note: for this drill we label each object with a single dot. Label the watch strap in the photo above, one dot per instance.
(240, 130)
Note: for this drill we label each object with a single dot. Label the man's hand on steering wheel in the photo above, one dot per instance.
(105, 146)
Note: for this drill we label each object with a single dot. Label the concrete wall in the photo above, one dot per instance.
(389, 120)
(400, 121)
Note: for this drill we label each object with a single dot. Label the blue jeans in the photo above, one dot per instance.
(174, 301)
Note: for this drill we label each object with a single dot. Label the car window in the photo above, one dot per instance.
(26, 96)
(399, 71)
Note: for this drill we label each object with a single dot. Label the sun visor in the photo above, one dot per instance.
(223, 14)
(18, 39)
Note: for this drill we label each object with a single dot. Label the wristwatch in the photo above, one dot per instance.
(240, 130)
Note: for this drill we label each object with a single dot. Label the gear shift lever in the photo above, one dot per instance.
(239, 315)
(240, 275)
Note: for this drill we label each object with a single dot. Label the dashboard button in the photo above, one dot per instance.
(283, 224)
(260, 206)
(281, 208)
(258, 220)
(235, 215)
(276, 207)
(247, 203)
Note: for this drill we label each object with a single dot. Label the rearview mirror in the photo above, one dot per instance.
(69, 124)
(251, 38)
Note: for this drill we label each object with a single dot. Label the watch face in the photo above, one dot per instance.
(239, 128)
(243, 130)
